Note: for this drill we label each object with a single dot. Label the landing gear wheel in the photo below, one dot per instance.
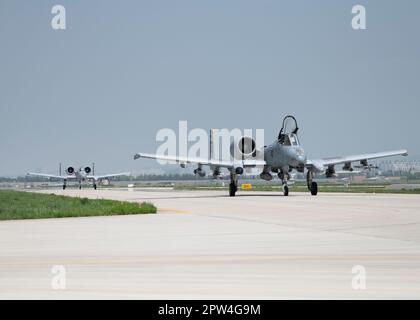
(309, 178)
(314, 188)
(64, 187)
(94, 186)
(232, 189)
(80, 187)
(285, 190)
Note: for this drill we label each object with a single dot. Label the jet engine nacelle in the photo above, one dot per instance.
(347, 167)
(330, 172)
(199, 172)
(70, 170)
(87, 170)
(266, 176)
(216, 173)
(244, 147)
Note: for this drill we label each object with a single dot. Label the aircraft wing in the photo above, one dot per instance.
(45, 175)
(202, 161)
(111, 175)
(320, 164)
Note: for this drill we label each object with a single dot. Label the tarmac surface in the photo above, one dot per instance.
(205, 245)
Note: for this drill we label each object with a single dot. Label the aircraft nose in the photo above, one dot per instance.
(301, 158)
(297, 157)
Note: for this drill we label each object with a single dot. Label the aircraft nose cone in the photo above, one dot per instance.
(301, 159)
(297, 157)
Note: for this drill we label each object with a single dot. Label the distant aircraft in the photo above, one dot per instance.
(281, 157)
(81, 175)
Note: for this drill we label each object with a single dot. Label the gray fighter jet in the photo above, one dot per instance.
(83, 174)
(281, 157)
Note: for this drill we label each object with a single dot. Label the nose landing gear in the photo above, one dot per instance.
(285, 190)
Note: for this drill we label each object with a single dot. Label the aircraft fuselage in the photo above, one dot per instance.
(283, 157)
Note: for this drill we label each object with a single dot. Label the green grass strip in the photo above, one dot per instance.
(28, 205)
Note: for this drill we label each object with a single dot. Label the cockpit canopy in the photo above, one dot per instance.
(289, 139)
(288, 133)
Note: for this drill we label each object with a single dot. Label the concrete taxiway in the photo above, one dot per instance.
(203, 244)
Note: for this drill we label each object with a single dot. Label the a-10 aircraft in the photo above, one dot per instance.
(281, 157)
(83, 174)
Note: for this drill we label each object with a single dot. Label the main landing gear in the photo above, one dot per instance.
(94, 186)
(233, 186)
(312, 185)
(64, 184)
(284, 177)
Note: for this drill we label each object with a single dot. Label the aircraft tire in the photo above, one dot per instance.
(232, 189)
(314, 188)
(285, 191)
(94, 186)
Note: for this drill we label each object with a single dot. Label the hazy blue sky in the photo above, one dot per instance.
(100, 90)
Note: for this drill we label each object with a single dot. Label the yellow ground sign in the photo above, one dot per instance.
(246, 186)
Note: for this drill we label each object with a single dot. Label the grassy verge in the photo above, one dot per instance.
(26, 205)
